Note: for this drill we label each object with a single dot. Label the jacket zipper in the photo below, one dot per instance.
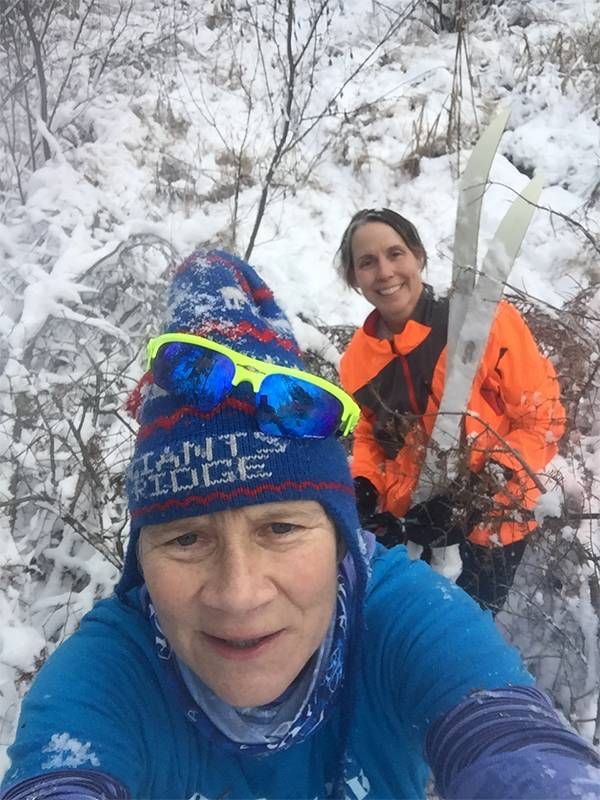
(412, 397)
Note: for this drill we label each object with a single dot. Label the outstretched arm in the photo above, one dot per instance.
(510, 743)
(71, 785)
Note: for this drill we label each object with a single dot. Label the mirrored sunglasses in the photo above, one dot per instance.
(289, 401)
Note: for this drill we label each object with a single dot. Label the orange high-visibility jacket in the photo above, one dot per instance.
(398, 383)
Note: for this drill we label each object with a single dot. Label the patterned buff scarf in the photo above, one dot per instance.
(309, 700)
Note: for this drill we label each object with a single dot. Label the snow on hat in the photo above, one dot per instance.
(189, 462)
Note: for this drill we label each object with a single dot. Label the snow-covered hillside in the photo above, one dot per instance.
(134, 131)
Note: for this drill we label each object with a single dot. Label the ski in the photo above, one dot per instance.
(478, 309)
(472, 187)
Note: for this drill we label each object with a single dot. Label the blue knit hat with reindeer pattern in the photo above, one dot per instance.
(189, 462)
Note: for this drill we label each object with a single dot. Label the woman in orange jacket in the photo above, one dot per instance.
(395, 368)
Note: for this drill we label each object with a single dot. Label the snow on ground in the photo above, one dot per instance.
(146, 147)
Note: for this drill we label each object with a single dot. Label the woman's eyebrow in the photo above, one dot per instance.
(160, 532)
(294, 515)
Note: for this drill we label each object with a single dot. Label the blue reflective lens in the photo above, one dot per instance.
(289, 406)
(200, 375)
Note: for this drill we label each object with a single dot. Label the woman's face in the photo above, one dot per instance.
(244, 596)
(387, 272)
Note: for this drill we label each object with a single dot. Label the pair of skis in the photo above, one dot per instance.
(474, 297)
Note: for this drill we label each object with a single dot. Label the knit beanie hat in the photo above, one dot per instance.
(188, 462)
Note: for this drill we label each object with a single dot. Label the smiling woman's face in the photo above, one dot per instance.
(245, 596)
(387, 272)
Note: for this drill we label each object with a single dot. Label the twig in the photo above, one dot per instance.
(549, 621)
(292, 65)
(39, 65)
(539, 485)
(591, 239)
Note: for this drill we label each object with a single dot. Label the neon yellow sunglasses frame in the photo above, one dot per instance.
(254, 371)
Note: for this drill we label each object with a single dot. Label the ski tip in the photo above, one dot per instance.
(478, 166)
(534, 188)
(501, 116)
(525, 202)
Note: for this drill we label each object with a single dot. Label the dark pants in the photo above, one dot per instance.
(488, 572)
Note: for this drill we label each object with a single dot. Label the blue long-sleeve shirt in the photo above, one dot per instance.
(101, 710)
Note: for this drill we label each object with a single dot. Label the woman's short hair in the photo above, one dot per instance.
(400, 224)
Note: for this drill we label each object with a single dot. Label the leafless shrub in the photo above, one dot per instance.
(552, 615)
(447, 15)
(65, 432)
(429, 140)
(36, 79)
(278, 92)
(576, 57)
(569, 338)
(462, 74)
(553, 612)
(447, 132)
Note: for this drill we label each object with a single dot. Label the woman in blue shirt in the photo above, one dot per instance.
(259, 644)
